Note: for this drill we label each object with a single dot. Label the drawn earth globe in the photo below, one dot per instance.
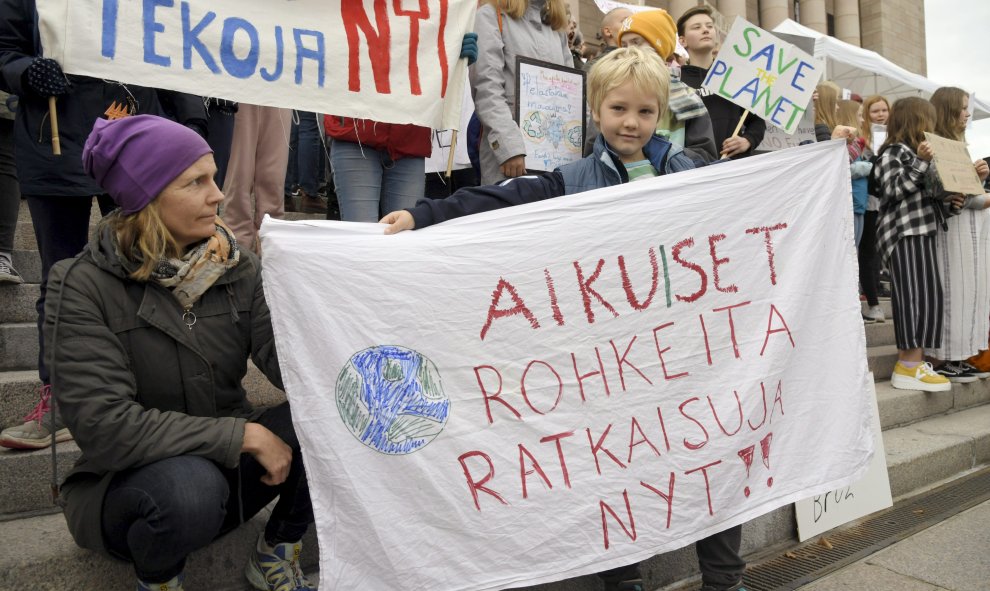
(391, 399)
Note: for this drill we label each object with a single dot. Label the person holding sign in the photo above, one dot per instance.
(627, 93)
(876, 109)
(910, 214)
(625, 102)
(58, 193)
(696, 32)
(151, 327)
(508, 29)
(961, 248)
(686, 121)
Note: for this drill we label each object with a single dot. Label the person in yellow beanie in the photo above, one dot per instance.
(686, 121)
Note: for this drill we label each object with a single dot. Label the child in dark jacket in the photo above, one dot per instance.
(625, 103)
(627, 93)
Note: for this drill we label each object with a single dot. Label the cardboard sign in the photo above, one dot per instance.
(765, 75)
(833, 508)
(442, 139)
(558, 388)
(777, 139)
(954, 166)
(550, 110)
(384, 61)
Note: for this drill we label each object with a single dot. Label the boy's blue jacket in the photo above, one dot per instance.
(601, 168)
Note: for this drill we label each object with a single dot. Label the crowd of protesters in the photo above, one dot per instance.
(169, 229)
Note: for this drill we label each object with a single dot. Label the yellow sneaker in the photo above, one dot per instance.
(921, 377)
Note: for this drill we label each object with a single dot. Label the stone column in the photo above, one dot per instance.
(679, 7)
(813, 15)
(847, 21)
(772, 13)
(730, 9)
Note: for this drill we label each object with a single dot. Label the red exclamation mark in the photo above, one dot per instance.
(746, 455)
(765, 451)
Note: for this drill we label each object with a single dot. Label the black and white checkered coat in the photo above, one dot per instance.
(911, 198)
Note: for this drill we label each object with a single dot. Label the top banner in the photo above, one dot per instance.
(559, 388)
(764, 75)
(371, 59)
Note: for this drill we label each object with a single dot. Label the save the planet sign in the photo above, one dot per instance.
(765, 75)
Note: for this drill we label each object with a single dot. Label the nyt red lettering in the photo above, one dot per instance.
(378, 37)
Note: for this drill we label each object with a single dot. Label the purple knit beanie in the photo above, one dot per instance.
(136, 157)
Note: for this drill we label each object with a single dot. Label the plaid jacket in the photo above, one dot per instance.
(911, 198)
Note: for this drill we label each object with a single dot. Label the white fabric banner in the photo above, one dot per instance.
(389, 62)
(554, 389)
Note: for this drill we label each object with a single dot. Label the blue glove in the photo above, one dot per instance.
(469, 47)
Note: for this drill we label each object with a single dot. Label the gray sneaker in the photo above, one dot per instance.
(8, 274)
(36, 432)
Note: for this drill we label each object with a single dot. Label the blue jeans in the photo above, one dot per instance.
(305, 154)
(157, 514)
(370, 184)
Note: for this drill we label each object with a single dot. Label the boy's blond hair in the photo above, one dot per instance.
(644, 69)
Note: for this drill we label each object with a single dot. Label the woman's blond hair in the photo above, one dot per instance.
(828, 99)
(644, 69)
(909, 119)
(948, 103)
(849, 114)
(144, 239)
(555, 11)
(867, 129)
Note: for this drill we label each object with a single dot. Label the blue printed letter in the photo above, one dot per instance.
(151, 26)
(304, 53)
(190, 40)
(235, 66)
(109, 28)
(266, 74)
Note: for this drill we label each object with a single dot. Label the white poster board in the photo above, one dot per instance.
(777, 139)
(395, 62)
(550, 110)
(567, 386)
(822, 512)
(442, 139)
(765, 75)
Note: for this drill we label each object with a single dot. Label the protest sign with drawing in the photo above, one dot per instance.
(765, 75)
(550, 109)
(388, 63)
(558, 388)
(954, 166)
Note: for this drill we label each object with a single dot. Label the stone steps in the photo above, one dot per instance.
(928, 437)
(918, 456)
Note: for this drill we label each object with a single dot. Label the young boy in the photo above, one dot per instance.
(627, 93)
(696, 31)
(686, 122)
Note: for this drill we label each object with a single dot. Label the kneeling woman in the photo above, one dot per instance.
(151, 327)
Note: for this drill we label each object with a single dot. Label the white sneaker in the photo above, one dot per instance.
(874, 314)
(921, 377)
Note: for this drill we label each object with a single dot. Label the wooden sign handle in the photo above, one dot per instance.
(450, 157)
(739, 125)
(53, 116)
